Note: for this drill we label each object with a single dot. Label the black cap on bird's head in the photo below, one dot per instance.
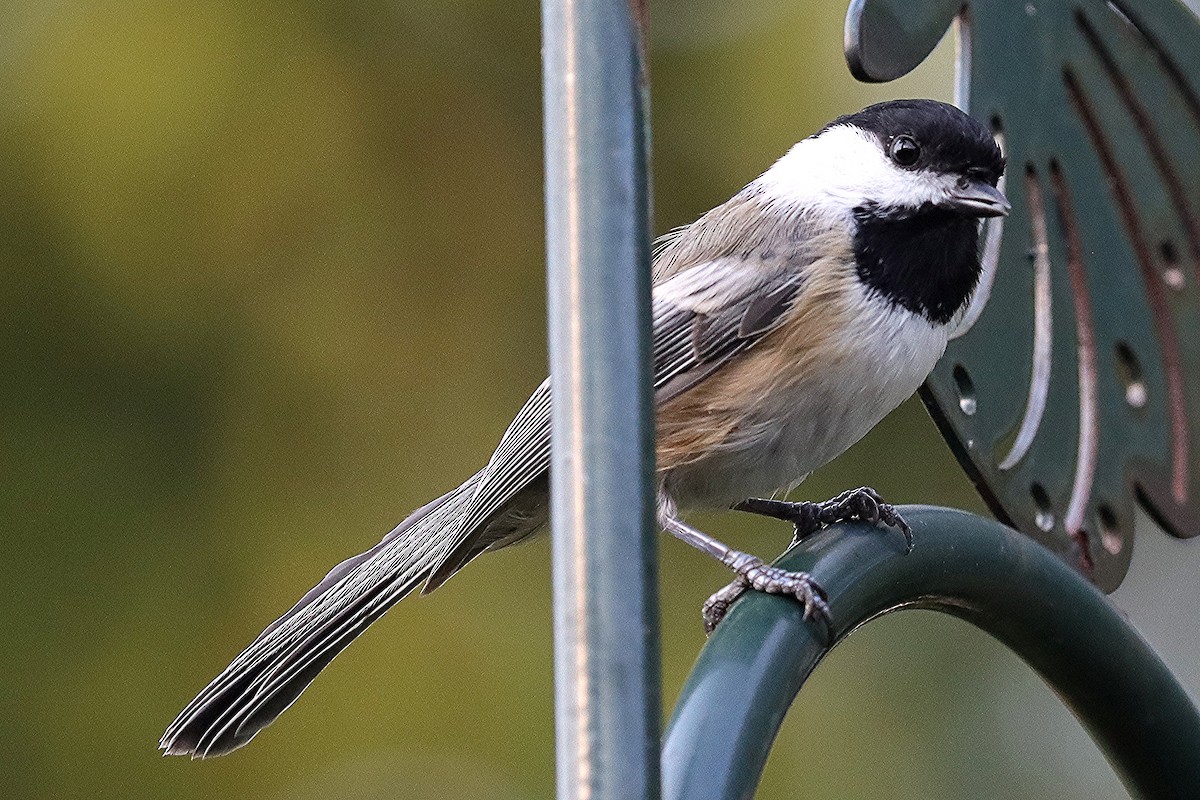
(923, 153)
(947, 139)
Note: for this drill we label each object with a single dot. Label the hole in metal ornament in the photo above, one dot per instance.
(1173, 275)
(1129, 370)
(966, 390)
(1110, 530)
(1044, 518)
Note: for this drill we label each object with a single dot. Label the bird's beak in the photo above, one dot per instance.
(978, 199)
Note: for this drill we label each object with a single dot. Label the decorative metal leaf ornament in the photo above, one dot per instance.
(1073, 392)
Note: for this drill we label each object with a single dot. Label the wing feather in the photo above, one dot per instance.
(702, 318)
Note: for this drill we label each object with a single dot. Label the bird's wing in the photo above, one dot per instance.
(701, 318)
(709, 314)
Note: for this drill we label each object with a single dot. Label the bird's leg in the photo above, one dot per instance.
(808, 518)
(751, 572)
(863, 503)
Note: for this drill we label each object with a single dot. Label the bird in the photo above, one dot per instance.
(787, 322)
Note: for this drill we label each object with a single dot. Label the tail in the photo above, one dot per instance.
(270, 674)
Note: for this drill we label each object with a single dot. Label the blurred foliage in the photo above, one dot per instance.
(273, 277)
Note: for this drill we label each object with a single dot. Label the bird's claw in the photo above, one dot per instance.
(719, 602)
(808, 518)
(754, 574)
(863, 503)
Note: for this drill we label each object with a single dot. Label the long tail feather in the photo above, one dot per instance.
(270, 674)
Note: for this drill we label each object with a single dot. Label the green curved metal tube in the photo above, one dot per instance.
(1002, 582)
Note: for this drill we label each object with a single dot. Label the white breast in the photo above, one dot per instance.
(882, 358)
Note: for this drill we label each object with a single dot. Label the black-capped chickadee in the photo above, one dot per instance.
(787, 322)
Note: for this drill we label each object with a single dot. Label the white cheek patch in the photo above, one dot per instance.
(844, 168)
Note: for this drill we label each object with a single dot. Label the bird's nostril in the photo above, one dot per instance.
(963, 181)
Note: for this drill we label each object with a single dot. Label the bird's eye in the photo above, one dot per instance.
(905, 151)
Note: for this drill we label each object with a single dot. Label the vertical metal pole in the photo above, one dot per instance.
(606, 670)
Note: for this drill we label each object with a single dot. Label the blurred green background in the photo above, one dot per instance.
(272, 278)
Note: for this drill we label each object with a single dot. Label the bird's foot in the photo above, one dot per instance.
(752, 573)
(808, 518)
